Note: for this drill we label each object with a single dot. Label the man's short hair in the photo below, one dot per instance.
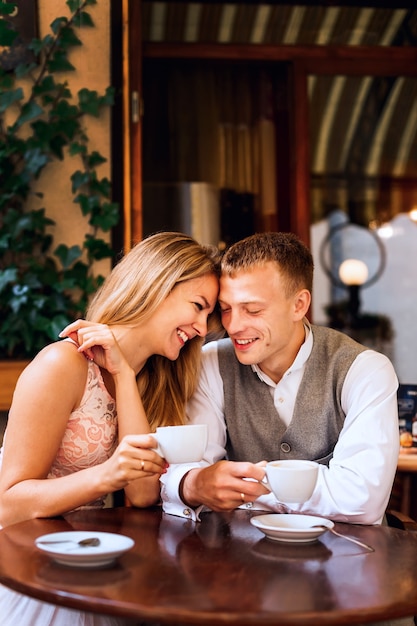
(292, 256)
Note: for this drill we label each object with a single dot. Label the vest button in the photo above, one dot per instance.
(285, 447)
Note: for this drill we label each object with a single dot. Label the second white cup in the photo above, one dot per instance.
(291, 480)
(182, 444)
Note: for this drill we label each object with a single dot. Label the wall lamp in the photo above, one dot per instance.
(351, 273)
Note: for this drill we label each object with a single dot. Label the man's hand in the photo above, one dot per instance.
(225, 485)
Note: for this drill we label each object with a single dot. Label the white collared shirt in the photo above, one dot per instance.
(285, 392)
(357, 484)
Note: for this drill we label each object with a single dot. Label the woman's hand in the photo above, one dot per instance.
(135, 457)
(97, 343)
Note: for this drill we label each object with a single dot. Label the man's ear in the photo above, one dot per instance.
(302, 301)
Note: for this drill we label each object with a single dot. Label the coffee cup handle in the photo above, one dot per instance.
(265, 483)
(157, 448)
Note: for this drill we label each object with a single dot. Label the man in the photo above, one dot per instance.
(280, 388)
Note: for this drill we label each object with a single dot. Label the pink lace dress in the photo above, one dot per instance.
(90, 438)
(91, 434)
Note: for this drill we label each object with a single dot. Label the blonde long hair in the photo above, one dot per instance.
(132, 292)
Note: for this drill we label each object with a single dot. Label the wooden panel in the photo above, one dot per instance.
(9, 373)
(300, 173)
(358, 60)
(134, 123)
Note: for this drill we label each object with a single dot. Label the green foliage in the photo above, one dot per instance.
(45, 285)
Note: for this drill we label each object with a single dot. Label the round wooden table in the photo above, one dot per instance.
(219, 571)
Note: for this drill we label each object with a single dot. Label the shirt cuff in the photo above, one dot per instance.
(170, 485)
(268, 502)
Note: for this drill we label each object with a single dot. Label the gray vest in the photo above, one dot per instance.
(255, 431)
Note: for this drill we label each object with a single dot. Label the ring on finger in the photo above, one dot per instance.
(142, 464)
(242, 497)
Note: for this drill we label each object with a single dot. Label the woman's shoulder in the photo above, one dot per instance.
(58, 373)
(59, 361)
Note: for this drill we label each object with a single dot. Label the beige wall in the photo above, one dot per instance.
(92, 63)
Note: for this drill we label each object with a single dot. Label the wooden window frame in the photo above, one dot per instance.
(303, 61)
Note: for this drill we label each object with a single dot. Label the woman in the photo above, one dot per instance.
(84, 408)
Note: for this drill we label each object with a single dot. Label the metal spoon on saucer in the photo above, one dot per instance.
(358, 543)
(88, 542)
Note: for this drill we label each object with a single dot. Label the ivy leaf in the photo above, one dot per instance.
(10, 97)
(56, 324)
(77, 148)
(68, 38)
(103, 186)
(66, 255)
(45, 85)
(95, 159)
(30, 111)
(23, 69)
(89, 102)
(79, 179)
(73, 5)
(7, 33)
(56, 145)
(7, 8)
(58, 24)
(35, 160)
(83, 19)
(87, 203)
(20, 293)
(107, 217)
(98, 248)
(59, 63)
(37, 45)
(7, 277)
(108, 98)
(6, 81)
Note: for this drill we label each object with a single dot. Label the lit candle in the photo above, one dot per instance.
(353, 272)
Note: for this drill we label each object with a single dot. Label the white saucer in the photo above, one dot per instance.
(69, 553)
(291, 528)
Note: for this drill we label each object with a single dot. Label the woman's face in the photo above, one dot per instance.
(183, 315)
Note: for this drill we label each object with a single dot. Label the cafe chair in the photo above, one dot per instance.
(396, 519)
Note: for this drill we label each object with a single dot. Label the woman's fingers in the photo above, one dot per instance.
(96, 342)
(74, 327)
(142, 456)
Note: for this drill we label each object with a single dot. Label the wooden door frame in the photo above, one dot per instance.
(304, 60)
(132, 112)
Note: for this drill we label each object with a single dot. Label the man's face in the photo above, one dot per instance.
(259, 317)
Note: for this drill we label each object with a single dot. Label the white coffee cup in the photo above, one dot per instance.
(182, 444)
(291, 480)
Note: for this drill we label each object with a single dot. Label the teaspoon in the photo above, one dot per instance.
(90, 541)
(358, 543)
